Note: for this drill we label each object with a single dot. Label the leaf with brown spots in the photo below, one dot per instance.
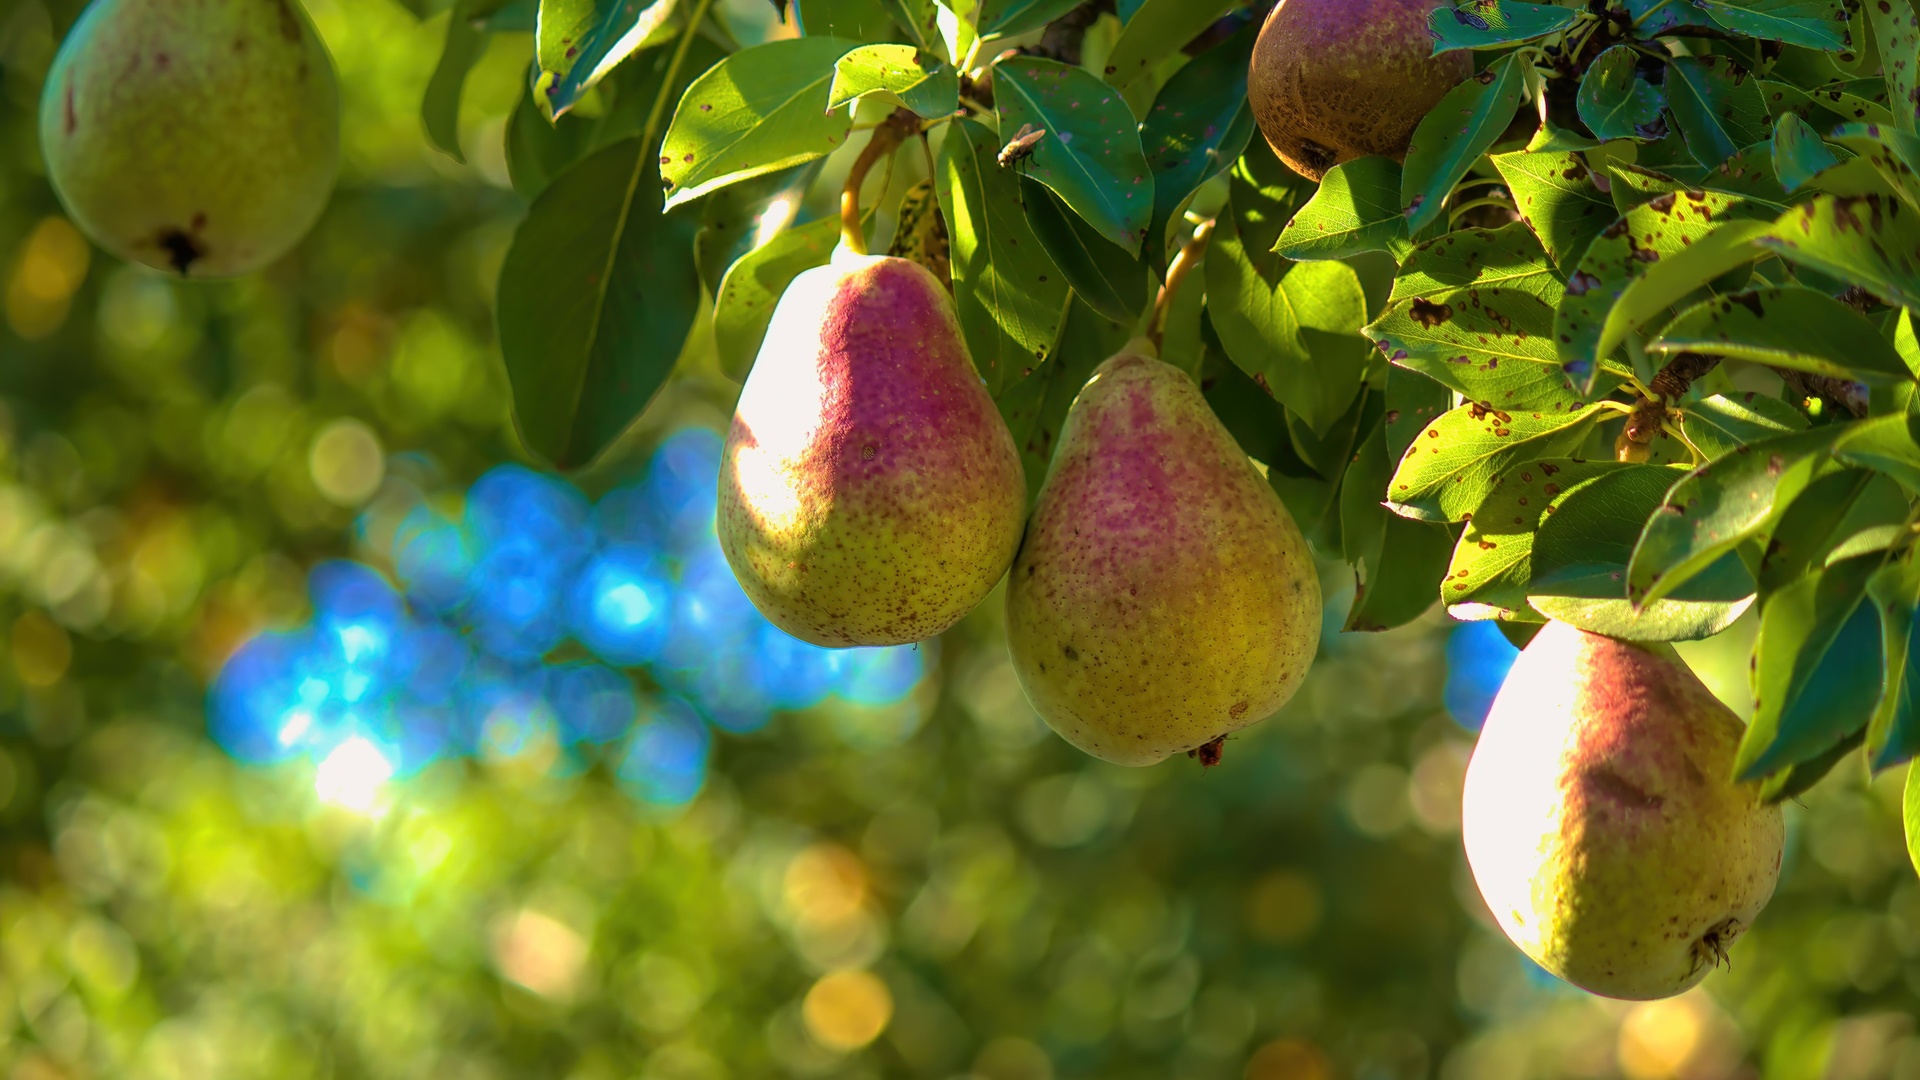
(1452, 465)
(1557, 198)
(1492, 345)
(1787, 327)
(1505, 258)
(1872, 241)
(1493, 563)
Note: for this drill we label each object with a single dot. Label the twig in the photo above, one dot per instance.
(1177, 271)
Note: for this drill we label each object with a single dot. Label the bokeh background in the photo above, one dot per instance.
(333, 743)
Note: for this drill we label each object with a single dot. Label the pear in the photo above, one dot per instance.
(1335, 80)
(1163, 597)
(1602, 822)
(195, 136)
(870, 493)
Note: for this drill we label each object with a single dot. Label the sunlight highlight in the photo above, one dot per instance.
(351, 777)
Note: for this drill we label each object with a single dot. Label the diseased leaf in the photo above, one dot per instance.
(1493, 345)
(1786, 327)
(1011, 298)
(1487, 24)
(1452, 137)
(1413, 402)
(1799, 154)
(1506, 258)
(1669, 281)
(918, 80)
(1662, 227)
(1356, 209)
(1451, 466)
(1156, 30)
(1872, 241)
(1091, 155)
(1896, 29)
(577, 42)
(1719, 425)
(758, 111)
(1492, 565)
(1893, 153)
(1813, 24)
(1557, 198)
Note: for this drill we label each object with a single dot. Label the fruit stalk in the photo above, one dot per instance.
(1182, 265)
(1635, 443)
(893, 131)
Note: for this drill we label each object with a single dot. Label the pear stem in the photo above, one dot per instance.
(1177, 271)
(893, 131)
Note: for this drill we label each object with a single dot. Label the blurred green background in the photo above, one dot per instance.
(924, 883)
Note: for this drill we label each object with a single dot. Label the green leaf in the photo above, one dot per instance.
(597, 295)
(1452, 465)
(1872, 241)
(743, 305)
(1158, 29)
(1036, 407)
(1197, 128)
(1832, 515)
(1011, 298)
(1493, 563)
(1579, 559)
(1787, 327)
(1557, 198)
(1356, 209)
(918, 80)
(1893, 732)
(1413, 402)
(440, 107)
(758, 111)
(1661, 228)
(735, 220)
(1816, 668)
(1812, 24)
(1717, 105)
(1110, 280)
(1669, 281)
(1652, 17)
(1896, 29)
(854, 20)
(1721, 504)
(1477, 24)
(1505, 258)
(1397, 563)
(1091, 155)
(1267, 310)
(1890, 444)
(1719, 425)
(1008, 18)
(1799, 154)
(920, 19)
(538, 151)
(1493, 345)
(1616, 103)
(577, 42)
(1453, 136)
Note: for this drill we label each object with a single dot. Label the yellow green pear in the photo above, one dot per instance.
(200, 137)
(1163, 597)
(870, 493)
(1602, 822)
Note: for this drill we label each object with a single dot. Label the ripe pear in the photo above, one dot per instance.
(1335, 80)
(1602, 822)
(199, 137)
(870, 493)
(1163, 596)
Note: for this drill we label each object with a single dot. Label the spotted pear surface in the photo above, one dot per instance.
(1335, 80)
(200, 137)
(1602, 823)
(870, 493)
(1163, 597)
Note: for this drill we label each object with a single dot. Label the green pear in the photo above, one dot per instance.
(1335, 80)
(870, 493)
(196, 136)
(1602, 822)
(1163, 596)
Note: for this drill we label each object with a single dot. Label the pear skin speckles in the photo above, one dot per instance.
(1163, 597)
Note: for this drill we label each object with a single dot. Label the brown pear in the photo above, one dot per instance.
(1602, 821)
(1163, 597)
(1335, 80)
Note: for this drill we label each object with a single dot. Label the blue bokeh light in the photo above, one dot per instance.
(465, 649)
(1478, 658)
